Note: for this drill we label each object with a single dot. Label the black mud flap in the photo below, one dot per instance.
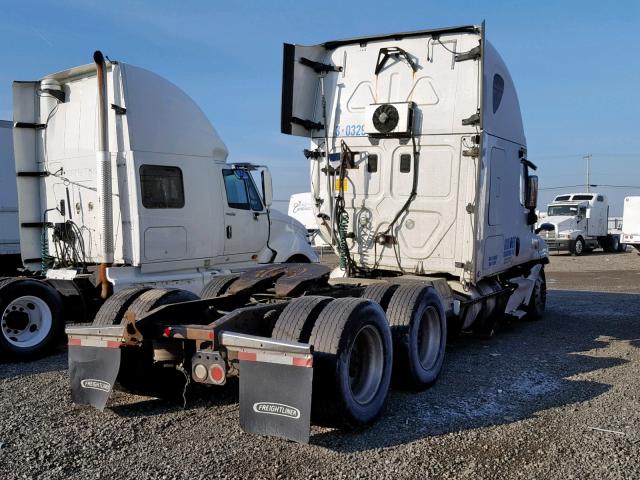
(93, 371)
(275, 399)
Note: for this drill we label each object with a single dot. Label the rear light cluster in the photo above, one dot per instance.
(208, 367)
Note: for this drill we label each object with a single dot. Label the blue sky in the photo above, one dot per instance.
(576, 65)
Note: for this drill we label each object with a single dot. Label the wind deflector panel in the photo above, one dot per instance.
(299, 89)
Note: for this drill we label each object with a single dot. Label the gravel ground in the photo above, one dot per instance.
(527, 403)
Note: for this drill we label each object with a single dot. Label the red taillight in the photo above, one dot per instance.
(217, 374)
(167, 332)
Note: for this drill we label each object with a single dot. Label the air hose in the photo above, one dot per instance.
(45, 258)
(343, 249)
(342, 216)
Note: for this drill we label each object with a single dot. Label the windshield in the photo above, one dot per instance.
(563, 211)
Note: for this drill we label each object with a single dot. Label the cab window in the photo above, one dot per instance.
(241, 192)
(161, 186)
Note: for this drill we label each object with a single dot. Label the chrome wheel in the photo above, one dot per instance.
(26, 321)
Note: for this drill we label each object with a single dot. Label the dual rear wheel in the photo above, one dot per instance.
(141, 368)
(358, 348)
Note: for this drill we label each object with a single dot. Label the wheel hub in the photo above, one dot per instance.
(429, 337)
(365, 367)
(16, 320)
(26, 321)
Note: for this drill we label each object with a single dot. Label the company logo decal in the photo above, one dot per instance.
(96, 385)
(276, 409)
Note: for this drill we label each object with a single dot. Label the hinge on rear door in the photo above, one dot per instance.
(470, 208)
(472, 54)
(472, 120)
(315, 154)
(32, 174)
(35, 126)
(118, 109)
(472, 152)
(319, 67)
(308, 124)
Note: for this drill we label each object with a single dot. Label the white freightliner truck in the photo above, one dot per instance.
(123, 185)
(631, 222)
(420, 178)
(578, 223)
(9, 241)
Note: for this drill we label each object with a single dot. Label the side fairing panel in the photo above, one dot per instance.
(299, 87)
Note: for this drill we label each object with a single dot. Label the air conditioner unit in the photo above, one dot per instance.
(389, 119)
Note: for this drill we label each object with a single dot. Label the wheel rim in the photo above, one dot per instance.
(578, 246)
(366, 364)
(429, 337)
(26, 321)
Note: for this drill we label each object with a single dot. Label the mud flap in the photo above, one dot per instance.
(275, 399)
(93, 371)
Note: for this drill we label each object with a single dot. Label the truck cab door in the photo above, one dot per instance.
(245, 220)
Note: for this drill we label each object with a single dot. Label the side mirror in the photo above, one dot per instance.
(267, 187)
(588, 214)
(532, 192)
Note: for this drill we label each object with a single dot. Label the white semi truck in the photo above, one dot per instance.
(123, 184)
(579, 223)
(631, 222)
(301, 208)
(9, 236)
(420, 179)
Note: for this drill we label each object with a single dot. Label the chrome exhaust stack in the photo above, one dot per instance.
(103, 174)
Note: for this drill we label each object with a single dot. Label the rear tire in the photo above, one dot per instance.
(217, 286)
(353, 356)
(298, 318)
(112, 311)
(419, 329)
(31, 319)
(380, 293)
(139, 374)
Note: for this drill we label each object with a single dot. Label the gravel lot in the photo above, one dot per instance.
(524, 404)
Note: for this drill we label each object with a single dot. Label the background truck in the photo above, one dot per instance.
(123, 182)
(579, 222)
(9, 236)
(631, 222)
(420, 180)
(301, 208)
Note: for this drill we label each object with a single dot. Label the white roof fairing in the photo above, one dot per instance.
(161, 117)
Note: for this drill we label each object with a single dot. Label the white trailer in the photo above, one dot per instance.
(579, 223)
(9, 236)
(123, 182)
(631, 222)
(421, 182)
